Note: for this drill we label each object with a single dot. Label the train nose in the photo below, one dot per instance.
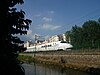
(70, 46)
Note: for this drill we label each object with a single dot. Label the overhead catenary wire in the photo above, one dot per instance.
(77, 20)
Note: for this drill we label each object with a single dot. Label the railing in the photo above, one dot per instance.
(67, 52)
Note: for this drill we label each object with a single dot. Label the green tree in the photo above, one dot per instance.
(87, 36)
(76, 36)
(12, 23)
(68, 35)
(91, 31)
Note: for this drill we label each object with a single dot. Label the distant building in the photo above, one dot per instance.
(54, 38)
(28, 44)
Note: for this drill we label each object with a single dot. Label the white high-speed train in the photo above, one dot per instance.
(60, 45)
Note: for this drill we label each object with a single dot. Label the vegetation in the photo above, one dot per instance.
(26, 59)
(87, 36)
(12, 23)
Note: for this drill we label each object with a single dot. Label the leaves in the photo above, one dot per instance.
(13, 23)
(86, 36)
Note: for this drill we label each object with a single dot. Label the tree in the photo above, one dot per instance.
(87, 36)
(12, 23)
(91, 30)
(76, 36)
(68, 36)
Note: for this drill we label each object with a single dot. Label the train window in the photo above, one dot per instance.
(49, 45)
(42, 46)
(63, 42)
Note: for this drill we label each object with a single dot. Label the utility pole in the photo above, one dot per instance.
(35, 37)
(34, 56)
(35, 45)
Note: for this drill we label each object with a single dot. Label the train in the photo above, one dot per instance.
(52, 46)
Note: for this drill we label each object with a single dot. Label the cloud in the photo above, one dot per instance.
(29, 32)
(51, 12)
(27, 37)
(32, 35)
(47, 19)
(37, 15)
(50, 26)
(46, 37)
(55, 27)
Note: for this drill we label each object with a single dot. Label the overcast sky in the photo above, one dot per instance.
(53, 17)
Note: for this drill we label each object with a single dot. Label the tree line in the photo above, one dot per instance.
(87, 36)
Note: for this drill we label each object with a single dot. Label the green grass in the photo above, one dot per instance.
(26, 59)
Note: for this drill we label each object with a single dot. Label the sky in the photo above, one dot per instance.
(54, 17)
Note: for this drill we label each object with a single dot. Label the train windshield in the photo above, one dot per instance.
(63, 42)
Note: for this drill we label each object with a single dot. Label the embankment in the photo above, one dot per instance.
(84, 62)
